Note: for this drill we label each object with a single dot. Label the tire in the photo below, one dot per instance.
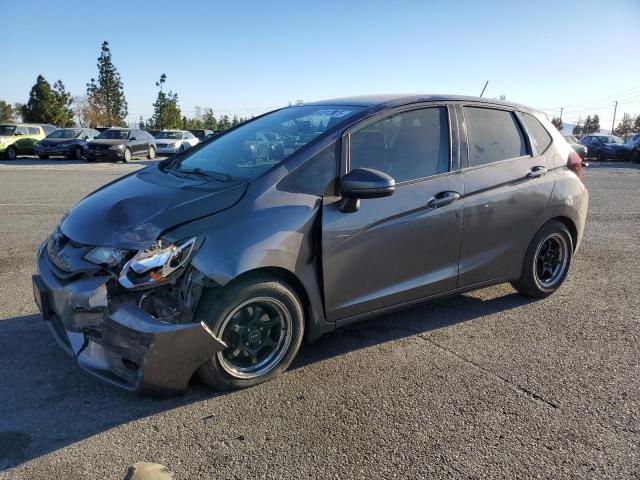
(126, 156)
(235, 315)
(152, 153)
(91, 159)
(43, 157)
(11, 153)
(181, 149)
(539, 277)
(635, 156)
(76, 153)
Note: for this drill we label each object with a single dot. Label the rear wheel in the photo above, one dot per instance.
(11, 153)
(546, 262)
(261, 321)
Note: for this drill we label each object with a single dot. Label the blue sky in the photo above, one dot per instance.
(248, 57)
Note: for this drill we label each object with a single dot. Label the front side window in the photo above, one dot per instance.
(408, 145)
(239, 154)
(22, 130)
(493, 135)
(113, 135)
(539, 134)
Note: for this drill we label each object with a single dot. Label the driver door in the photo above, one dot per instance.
(400, 248)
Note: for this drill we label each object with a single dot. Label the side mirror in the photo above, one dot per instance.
(364, 183)
(86, 137)
(133, 138)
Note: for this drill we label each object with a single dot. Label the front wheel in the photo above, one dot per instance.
(261, 320)
(546, 262)
(126, 156)
(76, 153)
(151, 154)
(635, 156)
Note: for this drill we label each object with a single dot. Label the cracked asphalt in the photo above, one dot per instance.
(486, 384)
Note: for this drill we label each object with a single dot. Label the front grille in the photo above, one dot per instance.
(100, 147)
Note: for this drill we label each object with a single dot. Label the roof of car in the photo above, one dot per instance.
(22, 124)
(394, 100)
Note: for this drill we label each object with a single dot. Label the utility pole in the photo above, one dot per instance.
(561, 109)
(614, 117)
(484, 88)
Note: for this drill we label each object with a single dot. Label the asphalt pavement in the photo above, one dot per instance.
(486, 384)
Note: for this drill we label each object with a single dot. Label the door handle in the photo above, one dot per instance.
(443, 198)
(536, 172)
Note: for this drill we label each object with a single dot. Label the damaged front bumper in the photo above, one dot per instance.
(119, 342)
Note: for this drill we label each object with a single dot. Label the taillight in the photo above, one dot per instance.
(574, 163)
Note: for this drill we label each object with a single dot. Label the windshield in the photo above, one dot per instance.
(113, 135)
(170, 135)
(6, 130)
(248, 151)
(65, 133)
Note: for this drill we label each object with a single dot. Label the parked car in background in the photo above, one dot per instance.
(19, 139)
(605, 147)
(121, 144)
(580, 149)
(169, 142)
(201, 133)
(68, 142)
(216, 262)
(633, 145)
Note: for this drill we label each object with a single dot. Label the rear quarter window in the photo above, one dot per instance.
(540, 137)
(33, 130)
(493, 135)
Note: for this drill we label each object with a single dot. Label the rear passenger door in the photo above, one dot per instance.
(404, 247)
(506, 191)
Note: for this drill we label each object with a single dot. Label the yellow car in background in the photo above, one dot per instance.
(19, 139)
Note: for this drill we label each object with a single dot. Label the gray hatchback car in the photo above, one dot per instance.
(219, 261)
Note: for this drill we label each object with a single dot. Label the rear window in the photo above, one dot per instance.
(33, 130)
(493, 135)
(539, 135)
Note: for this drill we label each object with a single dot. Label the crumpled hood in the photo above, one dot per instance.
(133, 211)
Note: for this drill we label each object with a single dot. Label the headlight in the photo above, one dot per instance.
(154, 265)
(109, 257)
(116, 147)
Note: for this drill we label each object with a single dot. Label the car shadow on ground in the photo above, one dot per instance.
(47, 402)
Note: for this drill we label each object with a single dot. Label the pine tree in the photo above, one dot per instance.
(224, 123)
(141, 122)
(557, 123)
(625, 127)
(636, 124)
(587, 125)
(166, 112)
(48, 105)
(106, 95)
(209, 120)
(6, 112)
(595, 124)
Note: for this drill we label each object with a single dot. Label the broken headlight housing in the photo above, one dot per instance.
(155, 265)
(106, 256)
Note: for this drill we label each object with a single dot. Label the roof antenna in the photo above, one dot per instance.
(484, 88)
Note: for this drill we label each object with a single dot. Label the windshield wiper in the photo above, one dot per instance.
(219, 176)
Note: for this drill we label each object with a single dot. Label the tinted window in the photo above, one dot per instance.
(22, 130)
(493, 135)
(539, 134)
(407, 146)
(317, 176)
(33, 130)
